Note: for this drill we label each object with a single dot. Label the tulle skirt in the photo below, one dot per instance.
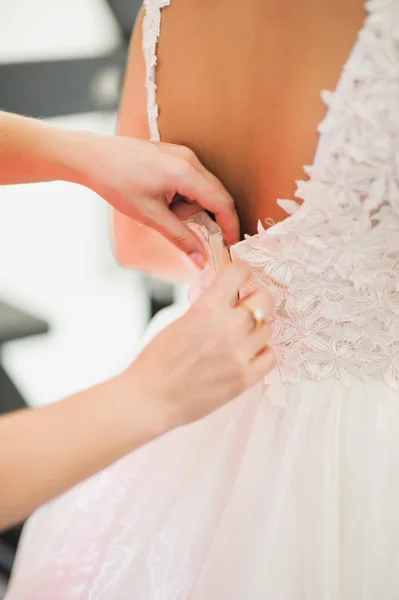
(254, 502)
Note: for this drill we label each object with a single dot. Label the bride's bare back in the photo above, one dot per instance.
(239, 83)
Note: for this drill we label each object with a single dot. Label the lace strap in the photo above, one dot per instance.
(151, 32)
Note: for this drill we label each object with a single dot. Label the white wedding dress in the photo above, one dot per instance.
(291, 492)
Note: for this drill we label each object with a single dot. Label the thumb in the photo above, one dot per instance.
(226, 289)
(170, 226)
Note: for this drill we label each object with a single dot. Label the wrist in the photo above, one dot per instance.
(145, 407)
(70, 154)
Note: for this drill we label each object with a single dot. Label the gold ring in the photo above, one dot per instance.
(257, 314)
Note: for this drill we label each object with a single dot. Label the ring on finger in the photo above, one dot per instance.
(257, 315)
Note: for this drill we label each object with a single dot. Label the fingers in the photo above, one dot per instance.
(170, 226)
(261, 365)
(225, 290)
(193, 181)
(257, 341)
(221, 204)
(260, 300)
(215, 199)
(185, 210)
(225, 215)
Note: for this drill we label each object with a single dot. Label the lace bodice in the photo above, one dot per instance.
(333, 264)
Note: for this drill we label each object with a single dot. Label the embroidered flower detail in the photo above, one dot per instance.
(338, 252)
(385, 364)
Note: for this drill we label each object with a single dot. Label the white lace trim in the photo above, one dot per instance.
(334, 264)
(151, 32)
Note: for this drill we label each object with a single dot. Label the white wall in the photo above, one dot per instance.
(41, 29)
(55, 243)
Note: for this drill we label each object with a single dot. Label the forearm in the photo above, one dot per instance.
(32, 151)
(45, 451)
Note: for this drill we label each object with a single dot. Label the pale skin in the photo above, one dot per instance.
(138, 178)
(257, 131)
(70, 440)
(215, 341)
(239, 83)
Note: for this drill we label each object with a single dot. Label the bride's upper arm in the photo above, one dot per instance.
(137, 246)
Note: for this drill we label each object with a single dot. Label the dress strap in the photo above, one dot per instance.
(151, 32)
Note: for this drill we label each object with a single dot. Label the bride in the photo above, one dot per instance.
(292, 491)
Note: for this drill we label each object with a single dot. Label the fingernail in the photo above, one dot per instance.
(197, 259)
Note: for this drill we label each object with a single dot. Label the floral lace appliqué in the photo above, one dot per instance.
(333, 265)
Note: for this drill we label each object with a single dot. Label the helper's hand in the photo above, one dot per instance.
(192, 368)
(141, 178)
(209, 356)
